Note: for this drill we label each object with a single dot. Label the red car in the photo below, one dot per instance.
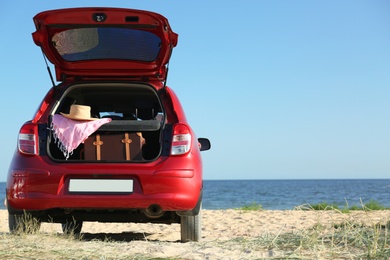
(111, 142)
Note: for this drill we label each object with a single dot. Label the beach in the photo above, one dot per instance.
(226, 234)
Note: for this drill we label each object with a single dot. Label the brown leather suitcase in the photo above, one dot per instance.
(114, 147)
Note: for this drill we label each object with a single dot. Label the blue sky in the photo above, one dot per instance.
(283, 89)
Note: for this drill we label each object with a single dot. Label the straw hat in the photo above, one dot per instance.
(79, 112)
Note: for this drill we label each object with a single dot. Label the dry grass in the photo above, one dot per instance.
(347, 239)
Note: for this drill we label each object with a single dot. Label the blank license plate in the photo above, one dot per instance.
(101, 185)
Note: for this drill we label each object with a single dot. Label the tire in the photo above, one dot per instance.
(72, 227)
(190, 227)
(14, 223)
(23, 223)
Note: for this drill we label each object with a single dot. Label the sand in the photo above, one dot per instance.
(218, 227)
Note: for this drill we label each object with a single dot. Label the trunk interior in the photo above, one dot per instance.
(133, 135)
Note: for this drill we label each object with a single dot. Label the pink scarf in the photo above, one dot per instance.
(69, 134)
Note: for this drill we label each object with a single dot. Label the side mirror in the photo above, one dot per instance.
(204, 144)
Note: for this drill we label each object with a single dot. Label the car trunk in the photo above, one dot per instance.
(132, 135)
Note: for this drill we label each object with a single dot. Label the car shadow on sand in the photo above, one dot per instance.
(115, 237)
(118, 237)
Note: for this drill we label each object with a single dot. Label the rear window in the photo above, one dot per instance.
(107, 43)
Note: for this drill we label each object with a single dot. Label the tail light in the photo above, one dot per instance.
(28, 139)
(181, 141)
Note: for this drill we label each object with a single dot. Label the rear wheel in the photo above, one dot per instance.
(190, 227)
(72, 227)
(23, 223)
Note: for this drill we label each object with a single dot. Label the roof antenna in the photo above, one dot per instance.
(48, 69)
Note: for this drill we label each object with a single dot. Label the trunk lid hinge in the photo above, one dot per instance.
(167, 67)
(48, 69)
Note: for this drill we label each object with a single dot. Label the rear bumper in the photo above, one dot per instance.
(39, 201)
(175, 188)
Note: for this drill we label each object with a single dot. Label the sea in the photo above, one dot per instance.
(287, 194)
